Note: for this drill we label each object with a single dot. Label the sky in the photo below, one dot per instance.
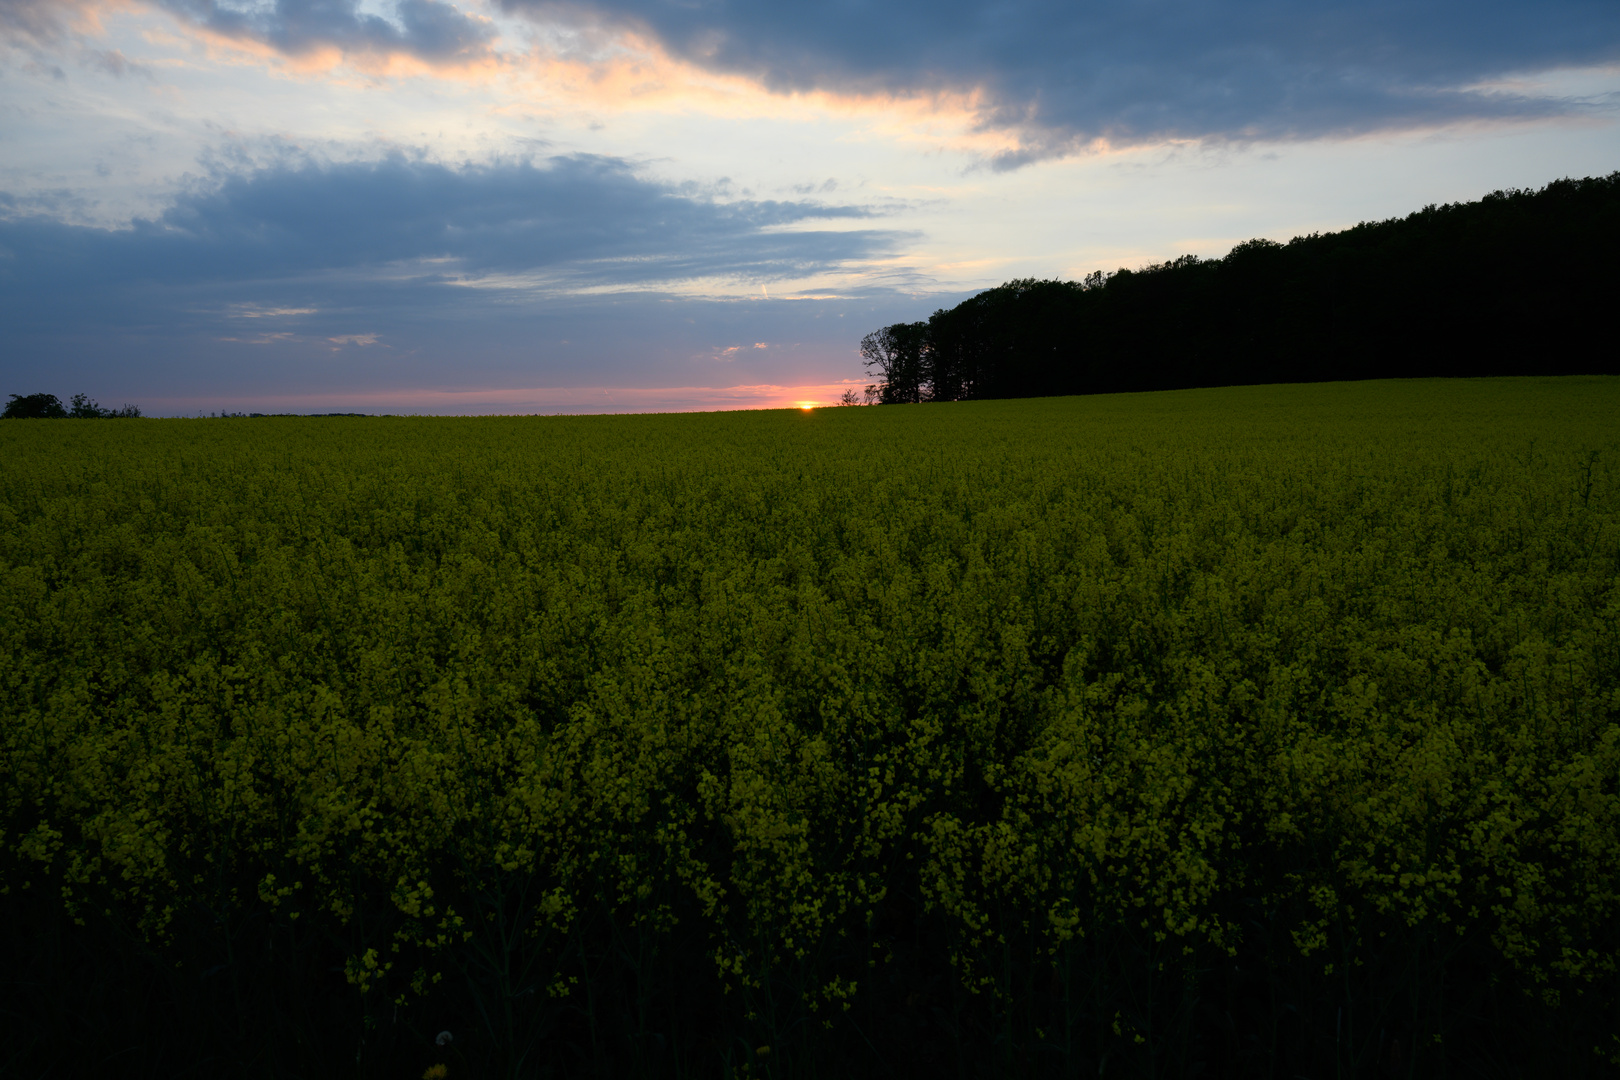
(520, 206)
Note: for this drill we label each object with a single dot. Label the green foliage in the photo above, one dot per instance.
(1257, 731)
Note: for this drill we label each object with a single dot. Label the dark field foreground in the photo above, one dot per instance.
(1254, 732)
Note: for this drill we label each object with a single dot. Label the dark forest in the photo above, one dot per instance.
(1519, 283)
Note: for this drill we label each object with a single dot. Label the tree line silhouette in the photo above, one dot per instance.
(1513, 284)
(50, 407)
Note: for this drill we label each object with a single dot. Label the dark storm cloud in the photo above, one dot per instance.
(429, 30)
(1062, 71)
(402, 237)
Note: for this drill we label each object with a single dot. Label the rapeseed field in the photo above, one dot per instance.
(1263, 731)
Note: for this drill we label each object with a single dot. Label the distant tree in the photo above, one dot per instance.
(84, 408)
(849, 397)
(49, 407)
(34, 407)
(896, 355)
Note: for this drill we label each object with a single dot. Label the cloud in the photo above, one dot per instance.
(113, 62)
(431, 31)
(171, 353)
(50, 204)
(45, 22)
(256, 311)
(440, 267)
(1062, 73)
(565, 223)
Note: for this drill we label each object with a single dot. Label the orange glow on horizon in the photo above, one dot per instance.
(519, 400)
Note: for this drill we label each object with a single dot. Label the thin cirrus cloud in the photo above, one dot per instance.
(46, 22)
(1062, 74)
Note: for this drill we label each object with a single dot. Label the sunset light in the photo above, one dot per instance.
(514, 205)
